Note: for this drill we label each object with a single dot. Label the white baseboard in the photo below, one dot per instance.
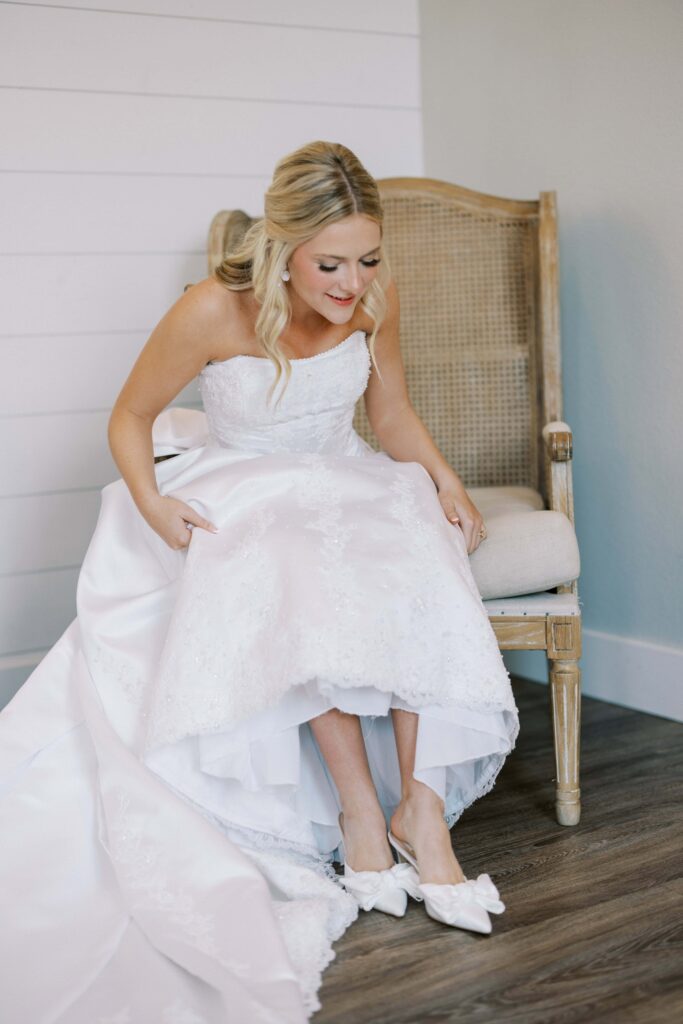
(632, 673)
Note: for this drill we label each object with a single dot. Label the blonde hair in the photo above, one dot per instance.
(316, 185)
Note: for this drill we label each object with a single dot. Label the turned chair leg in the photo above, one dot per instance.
(565, 693)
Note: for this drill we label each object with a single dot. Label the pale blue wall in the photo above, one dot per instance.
(585, 98)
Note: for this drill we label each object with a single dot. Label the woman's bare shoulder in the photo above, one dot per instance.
(213, 313)
(208, 300)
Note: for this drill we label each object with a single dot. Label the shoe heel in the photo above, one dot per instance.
(410, 879)
(403, 855)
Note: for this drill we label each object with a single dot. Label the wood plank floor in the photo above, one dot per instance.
(594, 919)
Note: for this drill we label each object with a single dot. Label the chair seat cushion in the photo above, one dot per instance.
(528, 549)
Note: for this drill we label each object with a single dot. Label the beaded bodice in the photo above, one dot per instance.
(315, 413)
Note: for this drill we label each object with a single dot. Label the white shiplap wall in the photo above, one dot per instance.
(125, 126)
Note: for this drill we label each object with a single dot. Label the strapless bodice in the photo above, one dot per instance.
(315, 413)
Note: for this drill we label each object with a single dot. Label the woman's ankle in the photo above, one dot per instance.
(369, 813)
(420, 825)
(366, 847)
(420, 800)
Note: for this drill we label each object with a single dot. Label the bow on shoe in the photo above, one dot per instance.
(486, 894)
(447, 898)
(407, 878)
(370, 886)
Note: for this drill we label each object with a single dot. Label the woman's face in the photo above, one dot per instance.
(340, 261)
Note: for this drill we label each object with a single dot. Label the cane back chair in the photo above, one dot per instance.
(477, 277)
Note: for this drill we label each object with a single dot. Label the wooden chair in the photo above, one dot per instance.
(477, 277)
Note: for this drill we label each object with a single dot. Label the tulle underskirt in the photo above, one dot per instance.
(266, 783)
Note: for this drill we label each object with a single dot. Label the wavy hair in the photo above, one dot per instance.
(316, 185)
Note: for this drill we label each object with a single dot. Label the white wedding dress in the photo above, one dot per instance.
(167, 822)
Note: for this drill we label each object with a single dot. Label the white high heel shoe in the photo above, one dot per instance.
(465, 905)
(378, 890)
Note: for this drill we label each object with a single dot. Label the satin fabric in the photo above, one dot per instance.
(168, 823)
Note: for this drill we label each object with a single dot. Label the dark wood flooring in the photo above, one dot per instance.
(594, 918)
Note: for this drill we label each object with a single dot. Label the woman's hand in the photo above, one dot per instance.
(462, 512)
(169, 517)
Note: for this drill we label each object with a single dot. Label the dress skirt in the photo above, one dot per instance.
(169, 824)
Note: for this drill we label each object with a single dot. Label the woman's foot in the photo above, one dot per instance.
(418, 823)
(366, 847)
(375, 888)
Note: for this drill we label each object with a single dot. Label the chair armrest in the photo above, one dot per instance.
(558, 441)
(557, 437)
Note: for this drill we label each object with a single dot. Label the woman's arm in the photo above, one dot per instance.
(179, 347)
(401, 432)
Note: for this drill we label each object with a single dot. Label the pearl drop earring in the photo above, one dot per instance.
(285, 275)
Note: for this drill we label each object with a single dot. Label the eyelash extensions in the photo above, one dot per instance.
(369, 263)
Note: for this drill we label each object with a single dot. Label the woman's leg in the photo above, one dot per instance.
(340, 739)
(418, 819)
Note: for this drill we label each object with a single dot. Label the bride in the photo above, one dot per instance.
(280, 661)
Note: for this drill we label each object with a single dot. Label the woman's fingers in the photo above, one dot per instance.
(450, 509)
(476, 533)
(465, 523)
(174, 520)
(188, 520)
(194, 519)
(470, 528)
(181, 541)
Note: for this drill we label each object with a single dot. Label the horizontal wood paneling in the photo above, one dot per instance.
(51, 453)
(49, 372)
(35, 607)
(90, 132)
(56, 452)
(92, 293)
(201, 58)
(111, 168)
(96, 212)
(357, 16)
(35, 545)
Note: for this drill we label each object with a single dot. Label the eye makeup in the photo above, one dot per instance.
(365, 263)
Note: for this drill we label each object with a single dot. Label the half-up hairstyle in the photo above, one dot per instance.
(313, 187)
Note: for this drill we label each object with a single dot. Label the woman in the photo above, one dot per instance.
(279, 650)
